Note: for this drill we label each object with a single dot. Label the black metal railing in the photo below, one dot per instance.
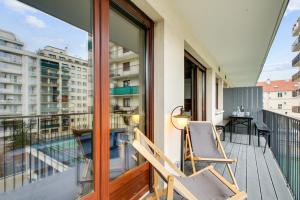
(35, 147)
(296, 60)
(285, 145)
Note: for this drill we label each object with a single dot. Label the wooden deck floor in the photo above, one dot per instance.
(257, 173)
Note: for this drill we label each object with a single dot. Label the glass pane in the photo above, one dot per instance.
(46, 100)
(127, 91)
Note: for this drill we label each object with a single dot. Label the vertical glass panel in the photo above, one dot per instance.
(127, 91)
(46, 100)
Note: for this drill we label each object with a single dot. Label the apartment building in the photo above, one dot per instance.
(278, 96)
(18, 77)
(124, 86)
(65, 87)
(296, 63)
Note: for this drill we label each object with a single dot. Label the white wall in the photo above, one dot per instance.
(172, 36)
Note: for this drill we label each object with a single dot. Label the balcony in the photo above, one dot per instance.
(296, 28)
(11, 81)
(50, 109)
(119, 73)
(296, 77)
(49, 64)
(119, 91)
(10, 102)
(10, 91)
(295, 62)
(120, 55)
(296, 44)
(49, 74)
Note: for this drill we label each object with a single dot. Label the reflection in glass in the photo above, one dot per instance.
(46, 106)
(127, 91)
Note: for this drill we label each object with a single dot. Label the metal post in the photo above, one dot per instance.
(181, 151)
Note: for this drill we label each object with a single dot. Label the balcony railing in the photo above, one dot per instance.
(296, 44)
(296, 77)
(119, 72)
(10, 101)
(10, 91)
(296, 28)
(285, 145)
(295, 62)
(130, 90)
(10, 80)
(31, 150)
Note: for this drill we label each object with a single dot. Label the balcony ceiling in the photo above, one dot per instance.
(238, 34)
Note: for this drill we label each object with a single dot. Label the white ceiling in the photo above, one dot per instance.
(237, 33)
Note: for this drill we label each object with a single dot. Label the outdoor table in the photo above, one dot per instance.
(243, 120)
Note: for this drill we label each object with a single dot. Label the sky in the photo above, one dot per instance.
(278, 64)
(37, 29)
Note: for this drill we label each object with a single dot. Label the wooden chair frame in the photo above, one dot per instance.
(157, 157)
(227, 161)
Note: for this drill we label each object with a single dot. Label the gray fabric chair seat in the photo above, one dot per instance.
(206, 186)
(203, 141)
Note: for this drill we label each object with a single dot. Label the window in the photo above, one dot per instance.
(62, 58)
(126, 66)
(217, 93)
(126, 83)
(78, 69)
(126, 102)
(280, 106)
(279, 94)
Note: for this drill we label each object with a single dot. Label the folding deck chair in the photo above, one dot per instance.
(203, 144)
(203, 185)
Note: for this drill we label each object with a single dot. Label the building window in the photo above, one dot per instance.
(126, 66)
(126, 102)
(279, 94)
(217, 93)
(280, 106)
(126, 83)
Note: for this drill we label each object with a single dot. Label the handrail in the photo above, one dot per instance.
(285, 145)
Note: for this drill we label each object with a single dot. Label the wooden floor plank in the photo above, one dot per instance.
(219, 166)
(266, 185)
(253, 187)
(278, 180)
(241, 168)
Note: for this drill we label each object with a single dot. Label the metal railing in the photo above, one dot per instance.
(296, 60)
(285, 145)
(36, 147)
(296, 77)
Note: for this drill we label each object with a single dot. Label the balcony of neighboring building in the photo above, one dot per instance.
(296, 61)
(296, 44)
(10, 102)
(296, 77)
(296, 28)
(124, 72)
(10, 81)
(10, 91)
(119, 55)
(45, 73)
(49, 64)
(296, 93)
(121, 91)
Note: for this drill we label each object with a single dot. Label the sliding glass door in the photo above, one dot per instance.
(129, 100)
